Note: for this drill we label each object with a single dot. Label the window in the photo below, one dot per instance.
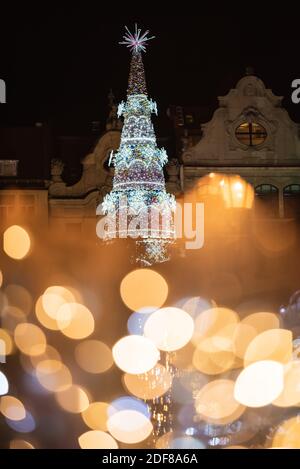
(8, 168)
(27, 203)
(7, 206)
(266, 201)
(251, 134)
(291, 196)
(189, 119)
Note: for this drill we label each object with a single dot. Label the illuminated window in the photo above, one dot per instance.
(291, 196)
(251, 134)
(266, 201)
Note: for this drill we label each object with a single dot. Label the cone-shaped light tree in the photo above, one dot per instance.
(138, 202)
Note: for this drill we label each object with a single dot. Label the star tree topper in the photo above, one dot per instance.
(136, 42)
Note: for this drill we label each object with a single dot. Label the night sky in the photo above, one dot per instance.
(59, 63)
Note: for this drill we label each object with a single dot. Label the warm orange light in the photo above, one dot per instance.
(259, 384)
(73, 399)
(129, 426)
(96, 415)
(215, 402)
(75, 321)
(135, 354)
(97, 440)
(12, 408)
(274, 344)
(94, 356)
(143, 288)
(20, 444)
(290, 395)
(16, 242)
(30, 339)
(6, 343)
(53, 375)
(288, 435)
(46, 320)
(169, 328)
(149, 385)
(54, 297)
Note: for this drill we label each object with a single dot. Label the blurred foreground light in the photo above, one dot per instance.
(97, 439)
(129, 426)
(11, 317)
(94, 356)
(3, 384)
(12, 408)
(1, 278)
(212, 362)
(30, 339)
(25, 425)
(150, 385)
(215, 402)
(73, 400)
(274, 344)
(290, 395)
(53, 375)
(169, 328)
(16, 242)
(143, 288)
(259, 384)
(250, 327)
(214, 322)
(288, 435)
(195, 305)
(19, 297)
(96, 415)
(135, 354)
(54, 297)
(128, 403)
(6, 343)
(75, 321)
(46, 320)
(236, 192)
(20, 444)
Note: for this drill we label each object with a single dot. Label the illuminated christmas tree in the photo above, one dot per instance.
(138, 205)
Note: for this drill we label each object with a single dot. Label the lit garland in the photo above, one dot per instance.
(139, 177)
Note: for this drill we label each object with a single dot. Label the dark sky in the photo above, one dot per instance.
(59, 63)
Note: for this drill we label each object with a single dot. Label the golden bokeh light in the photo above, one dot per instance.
(274, 344)
(96, 439)
(11, 317)
(212, 362)
(129, 426)
(262, 321)
(236, 192)
(96, 415)
(94, 356)
(16, 242)
(46, 320)
(149, 385)
(287, 435)
(6, 343)
(54, 297)
(215, 402)
(1, 278)
(243, 335)
(75, 321)
(53, 375)
(74, 399)
(135, 354)
(215, 322)
(12, 408)
(20, 444)
(259, 384)
(169, 328)
(30, 339)
(290, 395)
(143, 288)
(50, 353)
(19, 297)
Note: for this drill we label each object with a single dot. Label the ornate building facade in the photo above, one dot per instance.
(249, 134)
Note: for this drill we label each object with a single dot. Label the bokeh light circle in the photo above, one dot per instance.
(135, 354)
